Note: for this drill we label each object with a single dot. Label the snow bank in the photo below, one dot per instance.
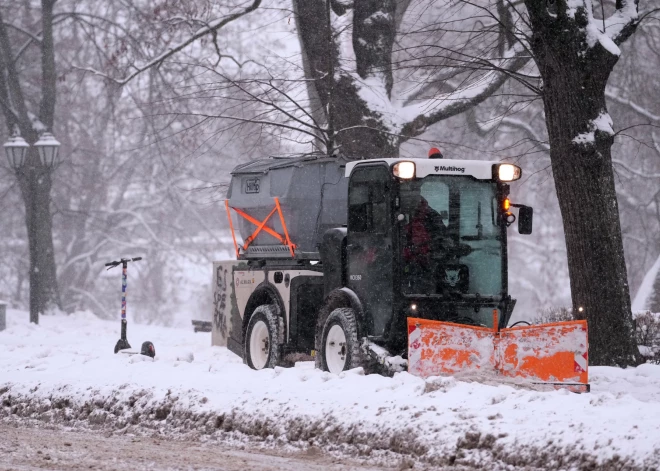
(64, 371)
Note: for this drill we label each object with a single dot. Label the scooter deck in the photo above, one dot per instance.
(129, 351)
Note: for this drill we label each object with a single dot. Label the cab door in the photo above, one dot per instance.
(369, 248)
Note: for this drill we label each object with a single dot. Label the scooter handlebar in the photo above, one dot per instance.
(123, 260)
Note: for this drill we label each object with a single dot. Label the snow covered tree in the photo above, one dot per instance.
(32, 118)
(347, 55)
(575, 54)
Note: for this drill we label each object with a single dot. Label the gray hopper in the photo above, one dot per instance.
(312, 191)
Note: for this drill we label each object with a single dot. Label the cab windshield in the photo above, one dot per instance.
(450, 238)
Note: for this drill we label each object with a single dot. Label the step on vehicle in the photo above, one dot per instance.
(386, 264)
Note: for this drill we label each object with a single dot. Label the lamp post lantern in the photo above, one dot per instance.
(16, 149)
(48, 148)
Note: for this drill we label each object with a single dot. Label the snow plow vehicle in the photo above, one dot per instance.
(386, 264)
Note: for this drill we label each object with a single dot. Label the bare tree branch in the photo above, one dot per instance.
(610, 93)
(463, 99)
(638, 173)
(244, 120)
(15, 97)
(212, 27)
(623, 22)
(33, 37)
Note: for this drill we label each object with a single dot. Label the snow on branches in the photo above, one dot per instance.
(608, 32)
(355, 82)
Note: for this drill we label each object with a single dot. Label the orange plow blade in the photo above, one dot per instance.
(553, 354)
(436, 348)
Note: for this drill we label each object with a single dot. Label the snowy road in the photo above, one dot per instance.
(64, 372)
(23, 449)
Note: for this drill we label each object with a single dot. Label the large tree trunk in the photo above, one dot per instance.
(360, 133)
(357, 131)
(574, 79)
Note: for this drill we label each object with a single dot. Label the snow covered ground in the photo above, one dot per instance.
(64, 371)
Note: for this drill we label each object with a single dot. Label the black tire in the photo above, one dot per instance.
(350, 352)
(268, 315)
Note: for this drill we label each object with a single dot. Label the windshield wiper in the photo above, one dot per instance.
(480, 227)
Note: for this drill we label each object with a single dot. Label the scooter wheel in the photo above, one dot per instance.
(148, 349)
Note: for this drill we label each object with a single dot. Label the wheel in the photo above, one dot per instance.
(148, 349)
(261, 347)
(340, 348)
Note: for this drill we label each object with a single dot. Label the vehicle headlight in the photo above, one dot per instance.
(404, 170)
(508, 172)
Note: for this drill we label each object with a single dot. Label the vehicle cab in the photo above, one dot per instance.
(427, 238)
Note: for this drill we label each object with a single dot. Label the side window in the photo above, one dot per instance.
(368, 201)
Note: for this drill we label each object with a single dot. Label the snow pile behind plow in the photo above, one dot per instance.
(555, 354)
(63, 372)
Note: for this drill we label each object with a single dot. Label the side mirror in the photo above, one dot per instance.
(525, 216)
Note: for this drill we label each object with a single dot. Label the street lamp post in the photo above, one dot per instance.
(34, 177)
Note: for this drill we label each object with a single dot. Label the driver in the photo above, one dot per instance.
(426, 241)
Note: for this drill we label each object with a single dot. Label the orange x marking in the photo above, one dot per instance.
(261, 225)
